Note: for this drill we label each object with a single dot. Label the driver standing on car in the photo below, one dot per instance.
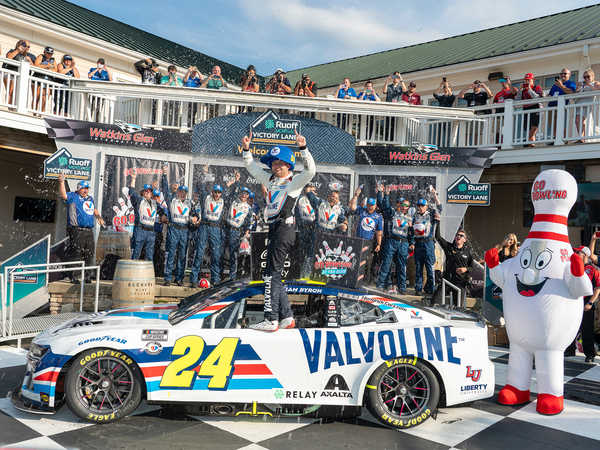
(283, 189)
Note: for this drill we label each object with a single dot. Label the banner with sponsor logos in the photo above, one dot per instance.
(463, 191)
(339, 259)
(63, 162)
(120, 134)
(222, 136)
(116, 205)
(410, 187)
(424, 155)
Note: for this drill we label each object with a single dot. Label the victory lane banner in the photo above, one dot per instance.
(63, 162)
(269, 129)
(467, 193)
(116, 203)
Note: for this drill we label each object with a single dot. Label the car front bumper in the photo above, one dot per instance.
(25, 404)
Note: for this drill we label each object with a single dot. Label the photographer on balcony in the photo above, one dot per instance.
(148, 70)
(393, 94)
(444, 95)
(279, 84)
(305, 87)
(215, 80)
(249, 80)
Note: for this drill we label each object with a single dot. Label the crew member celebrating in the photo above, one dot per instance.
(283, 189)
(177, 234)
(305, 220)
(423, 225)
(370, 224)
(80, 223)
(144, 210)
(400, 237)
(237, 225)
(331, 214)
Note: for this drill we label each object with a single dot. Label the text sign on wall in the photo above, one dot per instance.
(270, 129)
(62, 162)
(465, 192)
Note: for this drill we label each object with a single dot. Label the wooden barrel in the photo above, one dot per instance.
(113, 242)
(133, 284)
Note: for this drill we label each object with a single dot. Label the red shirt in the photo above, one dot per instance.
(594, 275)
(414, 99)
(504, 94)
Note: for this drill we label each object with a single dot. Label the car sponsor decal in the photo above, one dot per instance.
(195, 365)
(155, 335)
(97, 339)
(473, 374)
(153, 348)
(326, 349)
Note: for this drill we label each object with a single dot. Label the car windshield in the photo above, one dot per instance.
(200, 300)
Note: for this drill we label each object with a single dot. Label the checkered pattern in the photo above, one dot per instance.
(480, 425)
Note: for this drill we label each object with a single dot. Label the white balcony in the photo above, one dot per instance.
(24, 90)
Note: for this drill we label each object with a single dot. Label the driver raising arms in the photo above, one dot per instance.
(283, 189)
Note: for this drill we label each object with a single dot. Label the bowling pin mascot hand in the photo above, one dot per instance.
(542, 289)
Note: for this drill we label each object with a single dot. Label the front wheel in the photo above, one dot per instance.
(402, 393)
(103, 385)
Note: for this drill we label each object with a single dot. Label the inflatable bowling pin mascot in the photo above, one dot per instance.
(542, 289)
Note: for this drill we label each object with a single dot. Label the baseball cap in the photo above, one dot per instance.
(421, 202)
(529, 76)
(282, 153)
(83, 185)
(246, 190)
(335, 186)
(279, 69)
(371, 201)
(147, 187)
(48, 50)
(399, 199)
(583, 249)
(183, 188)
(217, 188)
(412, 84)
(156, 193)
(503, 80)
(251, 195)
(68, 58)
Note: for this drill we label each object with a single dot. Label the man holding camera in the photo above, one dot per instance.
(530, 90)
(444, 94)
(193, 78)
(171, 78)
(214, 80)
(305, 87)
(279, 84)
(100, 72)
(478, 96)
(393, 94)
(148, 70)
(250, 80)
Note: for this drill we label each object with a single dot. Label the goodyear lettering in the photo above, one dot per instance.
(100, 353)
(329, 349)
(101, 417)
(411, 422)
(103, 339)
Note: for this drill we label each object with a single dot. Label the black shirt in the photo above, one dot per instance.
(455, 258)
(476, 99)
(393, 93)
(445, 100)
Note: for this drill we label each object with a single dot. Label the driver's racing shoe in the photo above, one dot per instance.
(286, 323)
(266, 325)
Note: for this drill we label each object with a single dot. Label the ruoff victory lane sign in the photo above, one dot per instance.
(270, 129)
(465, 192)
(62, 162)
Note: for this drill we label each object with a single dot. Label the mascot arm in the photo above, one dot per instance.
(492, 260)
(577, 281)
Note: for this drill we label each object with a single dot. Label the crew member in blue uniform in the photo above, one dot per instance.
(283, 188)
(387, 225)
(178, 232)
(144, 210)
(369, 227)
(80, 224)
(424, 224)
(237, 224)
(400, 238)
(208, 230)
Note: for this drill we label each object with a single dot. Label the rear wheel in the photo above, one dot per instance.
(402, 393)
(103, 385)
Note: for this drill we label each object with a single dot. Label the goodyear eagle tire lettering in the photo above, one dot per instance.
(403, 392)
(103, 385)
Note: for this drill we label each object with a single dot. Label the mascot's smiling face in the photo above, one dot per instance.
(537, 262)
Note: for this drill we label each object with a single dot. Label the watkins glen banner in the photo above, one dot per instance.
(120, 134)
(424, 156)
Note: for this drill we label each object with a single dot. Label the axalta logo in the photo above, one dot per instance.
(326, 349)
(336, 387)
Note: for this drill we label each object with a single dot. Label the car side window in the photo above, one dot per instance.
(354, 312)
(226, 318)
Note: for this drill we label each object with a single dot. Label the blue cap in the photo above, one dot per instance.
(246, 190)
(421, 202)
(147, 187)
(217, 188)
(502, 80)
(183, 188)
(251, 194)
(399, 199)
(371, 201)
(156, 192)
(83, 185)
(281, 153)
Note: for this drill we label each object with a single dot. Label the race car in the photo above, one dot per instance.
(351, 348)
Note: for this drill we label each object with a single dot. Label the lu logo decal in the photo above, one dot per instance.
(473, 374)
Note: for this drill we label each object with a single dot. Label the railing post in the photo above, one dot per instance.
(560, 120)
(23, 88)
(507, 126)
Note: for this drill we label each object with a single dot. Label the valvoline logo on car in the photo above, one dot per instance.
(328, 349)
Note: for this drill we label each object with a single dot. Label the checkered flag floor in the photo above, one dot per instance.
(479, 425)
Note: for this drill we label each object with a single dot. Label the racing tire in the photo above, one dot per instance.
(103, 385)
(402, 393)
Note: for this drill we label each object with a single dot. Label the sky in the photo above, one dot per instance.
(298, 33)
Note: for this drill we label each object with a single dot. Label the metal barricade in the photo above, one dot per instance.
(454, 288)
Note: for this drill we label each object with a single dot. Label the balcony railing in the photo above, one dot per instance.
(30, 90)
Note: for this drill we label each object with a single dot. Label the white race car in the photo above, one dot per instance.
(352, 347)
